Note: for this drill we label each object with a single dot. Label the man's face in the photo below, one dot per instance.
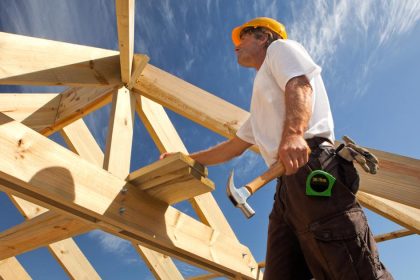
(250, 50)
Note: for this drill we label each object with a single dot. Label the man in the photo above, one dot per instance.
(291, 122)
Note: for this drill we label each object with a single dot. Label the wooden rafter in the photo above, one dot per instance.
(79, 139)
(53, 176)
(33, 61)
(162, 266)
(48, 113)
(120, 134)
(11, 269)
(125, 10)
(139, 63)
(393, 235)
(406, 216)
(36, 232)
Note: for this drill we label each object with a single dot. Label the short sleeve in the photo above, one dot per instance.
(245, 132)
(288, 59)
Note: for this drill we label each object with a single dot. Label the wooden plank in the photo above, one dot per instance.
(163, 167)
(38, 231)
(36, 110)
(125, 10)
(76, 103)
(406, 216)
(40, 170)
(190, 101)
(205, 276)
(172, 179)
(167, 139)
(81, 141)
(48, 113)
(159, 126)
(398, 179)
(73, 260)
(55, 63)
(11, 269)
(393, 235)
(139, 63)
(161, 266)
(26, 208)
(120, 134)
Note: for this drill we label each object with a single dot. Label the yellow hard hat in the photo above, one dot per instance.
(266, 22)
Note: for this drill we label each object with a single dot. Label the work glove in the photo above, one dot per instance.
(351, 151)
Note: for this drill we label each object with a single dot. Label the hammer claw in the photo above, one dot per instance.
(239, 197)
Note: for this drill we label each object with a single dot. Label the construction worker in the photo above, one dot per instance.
(321, 237)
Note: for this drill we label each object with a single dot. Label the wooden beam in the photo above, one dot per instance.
(120, 134)
(161, 266)
(159, 126)
(76, 103)
(81, 141)
(48, 113)
(125, 10)
(55, 63)
(167, 139)
(393, 235)
(190, 101)
(38, 231)
(214, 275)
(73, 260)
(139, 63)
(11, 269)
(398, 179)
(172, 179)
(36, 110)
(40, 170)
(406, 216)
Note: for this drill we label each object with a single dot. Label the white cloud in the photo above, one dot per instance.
(327, 27)
(110, 243)
(246, 163)
(322, 26)
(400, 17)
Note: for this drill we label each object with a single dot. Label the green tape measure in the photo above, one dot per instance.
(319, 183)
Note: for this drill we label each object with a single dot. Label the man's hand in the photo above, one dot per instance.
(293, 153)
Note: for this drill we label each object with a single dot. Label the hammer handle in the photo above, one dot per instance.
(276, 170)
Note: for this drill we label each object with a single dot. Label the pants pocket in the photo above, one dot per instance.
(346, 246)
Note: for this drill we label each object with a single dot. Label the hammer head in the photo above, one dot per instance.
(239, 197)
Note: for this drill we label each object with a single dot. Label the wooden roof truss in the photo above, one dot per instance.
(63, 193)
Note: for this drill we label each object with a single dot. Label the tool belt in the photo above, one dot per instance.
(349, 151)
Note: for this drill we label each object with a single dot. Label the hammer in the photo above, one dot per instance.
(239, 196)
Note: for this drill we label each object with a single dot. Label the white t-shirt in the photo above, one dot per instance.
(285, 59)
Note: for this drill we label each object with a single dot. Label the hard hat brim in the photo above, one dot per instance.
(236, 32)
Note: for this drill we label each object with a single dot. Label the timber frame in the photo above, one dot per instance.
(65, 192)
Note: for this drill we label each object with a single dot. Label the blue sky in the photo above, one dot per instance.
(369, 53)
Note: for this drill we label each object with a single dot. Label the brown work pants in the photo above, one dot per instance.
(321, 237)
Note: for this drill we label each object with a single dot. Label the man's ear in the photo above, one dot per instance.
(264, 39)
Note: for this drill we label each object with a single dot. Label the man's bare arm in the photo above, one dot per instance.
(220, 153)
(293, 149)
(223, 152)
